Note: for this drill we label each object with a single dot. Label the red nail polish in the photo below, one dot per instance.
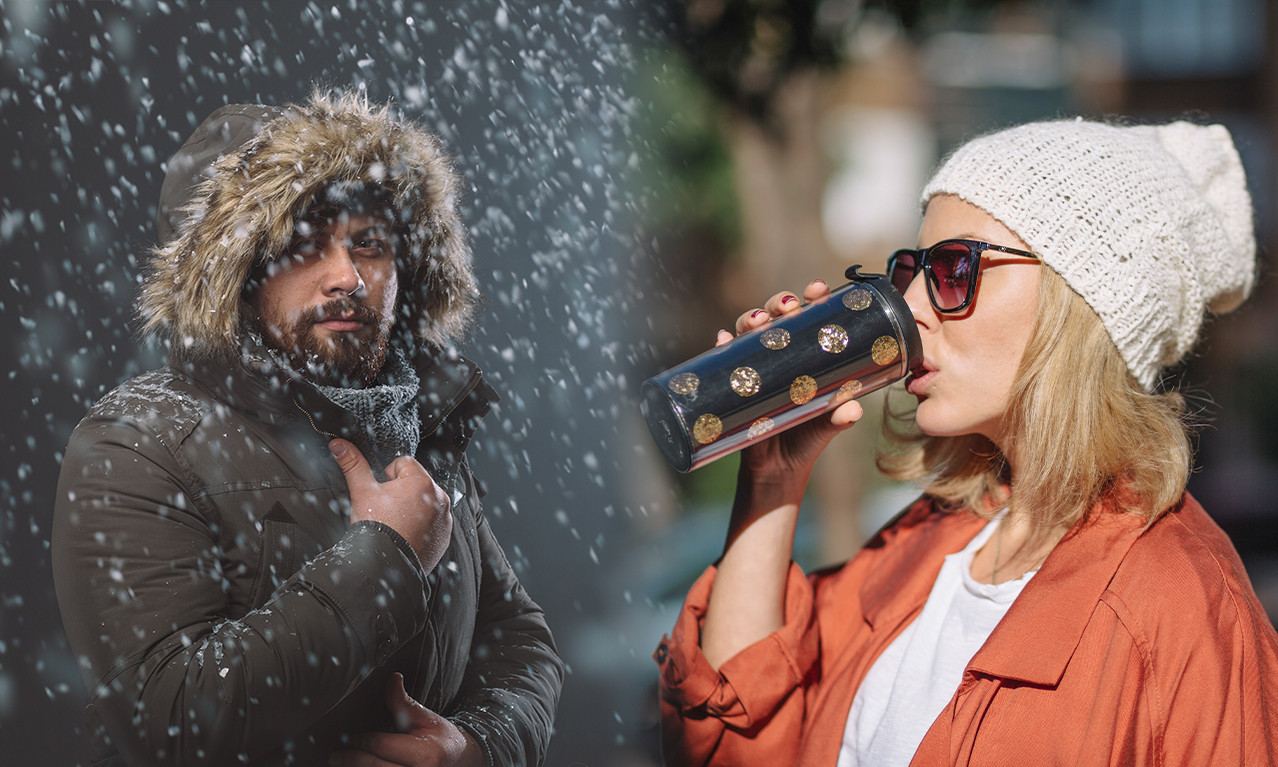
(788, 299)
(755, 313)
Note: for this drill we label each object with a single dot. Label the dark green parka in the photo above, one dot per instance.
(223, 608)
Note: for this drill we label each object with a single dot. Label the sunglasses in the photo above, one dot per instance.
(951, 267)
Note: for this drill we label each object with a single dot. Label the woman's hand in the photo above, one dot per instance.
(747, 598)
(788, 457)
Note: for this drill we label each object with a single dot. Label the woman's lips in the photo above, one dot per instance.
(919, 382)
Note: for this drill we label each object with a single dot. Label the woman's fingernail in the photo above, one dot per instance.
(755, 313)
(818, 282)
(788, 300)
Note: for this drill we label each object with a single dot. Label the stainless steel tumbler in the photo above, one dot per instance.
(858, 339)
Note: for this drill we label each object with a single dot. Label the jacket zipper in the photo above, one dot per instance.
(470, 387)
(298, 405)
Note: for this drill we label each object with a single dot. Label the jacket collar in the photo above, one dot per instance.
(920, 540)
(453, 390)
(1049, 616)
(1055, 607)
(453, 395)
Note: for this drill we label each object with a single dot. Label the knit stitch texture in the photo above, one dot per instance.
(387, 409)
(1151, 225)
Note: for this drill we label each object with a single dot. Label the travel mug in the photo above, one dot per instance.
(859, 338)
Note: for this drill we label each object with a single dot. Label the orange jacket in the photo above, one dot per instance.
(1127, 648)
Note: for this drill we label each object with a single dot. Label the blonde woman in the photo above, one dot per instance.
(1055, 596)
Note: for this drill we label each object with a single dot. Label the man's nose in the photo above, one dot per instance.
(341, 273)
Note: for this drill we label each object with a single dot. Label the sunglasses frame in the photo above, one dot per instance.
(975, 248)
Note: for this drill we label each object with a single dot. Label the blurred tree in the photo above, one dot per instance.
(770, 65)
(757, 77)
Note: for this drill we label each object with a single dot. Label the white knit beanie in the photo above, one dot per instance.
(1150, 224)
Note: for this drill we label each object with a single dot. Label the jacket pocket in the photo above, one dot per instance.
(278, 558)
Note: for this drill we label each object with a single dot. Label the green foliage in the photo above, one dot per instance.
(689, 173)
(712, 484)
(747, 50)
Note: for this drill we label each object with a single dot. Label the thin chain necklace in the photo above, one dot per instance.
(998, 552)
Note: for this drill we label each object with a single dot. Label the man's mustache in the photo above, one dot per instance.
(341, 308)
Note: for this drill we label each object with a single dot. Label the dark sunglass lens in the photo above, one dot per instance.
(901, 269)
(951, 273)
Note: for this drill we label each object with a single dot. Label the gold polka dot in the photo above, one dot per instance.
(745, 381)
(847, 392)
(885, 350)
(685, 384)
(775, 338)
(833, 339)
(803, 390)
(760, 427)
(857, 299)
(707, 429)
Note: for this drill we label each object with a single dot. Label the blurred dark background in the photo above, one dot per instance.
(640, 174)
(536, 102)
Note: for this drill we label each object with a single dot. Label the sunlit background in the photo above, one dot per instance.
(639, 175)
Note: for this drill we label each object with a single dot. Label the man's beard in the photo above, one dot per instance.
(350, 359)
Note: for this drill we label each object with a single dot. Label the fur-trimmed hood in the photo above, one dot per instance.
(220, 220)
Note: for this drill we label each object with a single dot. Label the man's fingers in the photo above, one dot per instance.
(408, 713)
(405, 466)
(358, 758)
(352, 463)
(424, 739)
(419, 749)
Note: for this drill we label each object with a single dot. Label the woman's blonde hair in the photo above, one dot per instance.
(1077, 422)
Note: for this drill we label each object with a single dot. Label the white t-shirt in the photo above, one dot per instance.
(916, 676)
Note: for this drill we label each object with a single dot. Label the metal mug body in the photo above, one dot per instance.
(859, 338)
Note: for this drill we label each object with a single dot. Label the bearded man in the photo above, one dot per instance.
(271, 551)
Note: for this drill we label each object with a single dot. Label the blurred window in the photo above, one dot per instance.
(1178, 38)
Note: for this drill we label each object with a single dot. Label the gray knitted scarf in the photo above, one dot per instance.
(387, 409)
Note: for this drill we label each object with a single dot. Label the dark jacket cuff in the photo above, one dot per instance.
(374, 578)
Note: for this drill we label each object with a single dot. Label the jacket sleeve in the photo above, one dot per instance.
(750, 711)
(137, 568)
(511, 689)
(1220, 692)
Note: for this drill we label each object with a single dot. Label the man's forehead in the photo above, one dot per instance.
(325, 215)
(342, 200)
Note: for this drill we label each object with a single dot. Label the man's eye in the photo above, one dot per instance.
(306, 248)
(373, 245)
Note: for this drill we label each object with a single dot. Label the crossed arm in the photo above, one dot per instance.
(176, 681)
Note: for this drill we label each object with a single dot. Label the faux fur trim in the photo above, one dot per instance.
(243, 215)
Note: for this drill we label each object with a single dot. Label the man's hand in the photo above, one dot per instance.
(425, 739)
(409, 501)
